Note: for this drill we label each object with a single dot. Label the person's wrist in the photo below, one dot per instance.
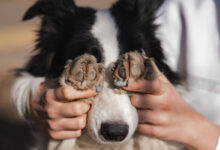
(204, 135)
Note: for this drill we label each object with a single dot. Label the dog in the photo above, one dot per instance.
(105, 49)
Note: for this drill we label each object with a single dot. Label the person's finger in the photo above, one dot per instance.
(69, 93)
(68, 123)
(144, 101)
(148, 87)
(74, 109)
(71, 109)
(152, 117)
(150, 130)
(61, 135)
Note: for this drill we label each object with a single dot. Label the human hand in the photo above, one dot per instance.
(58, 114)
(165, 115)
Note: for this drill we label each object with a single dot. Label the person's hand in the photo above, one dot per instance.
(60, 112)
(165, 115)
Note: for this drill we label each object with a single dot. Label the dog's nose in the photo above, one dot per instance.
(114, 131)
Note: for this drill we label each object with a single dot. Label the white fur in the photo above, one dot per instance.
(64, 145)
(111, 107)
(105, 31)
(23, 86)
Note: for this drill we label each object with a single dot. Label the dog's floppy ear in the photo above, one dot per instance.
(147, 7)
(49, 8)
(138, 7)
(125, 5)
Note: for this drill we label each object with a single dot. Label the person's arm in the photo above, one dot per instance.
(164, 114)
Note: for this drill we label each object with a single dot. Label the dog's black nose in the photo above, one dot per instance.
(114, 131)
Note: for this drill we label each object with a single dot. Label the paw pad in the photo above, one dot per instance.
(130, 67)
(83, 73)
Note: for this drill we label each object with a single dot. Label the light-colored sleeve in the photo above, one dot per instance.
(189, 32)
(218, 144)
(189, 29)
(170, 31)
(24, 85)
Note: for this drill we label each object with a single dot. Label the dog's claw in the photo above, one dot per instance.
(150, 71)
(68, 61)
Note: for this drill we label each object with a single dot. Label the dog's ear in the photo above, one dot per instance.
(147, 8)
(146, 5)
(125, 5)
(49, 8)
(138, 7)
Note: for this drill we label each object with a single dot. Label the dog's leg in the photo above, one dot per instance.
(133, 66)
(82, 73)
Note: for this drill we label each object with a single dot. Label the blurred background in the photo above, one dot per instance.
(16, 45)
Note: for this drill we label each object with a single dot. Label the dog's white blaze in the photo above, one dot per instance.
(105, 30)
(112, 107)
(109, 106)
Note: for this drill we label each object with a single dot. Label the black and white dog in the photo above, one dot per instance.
(109, 44)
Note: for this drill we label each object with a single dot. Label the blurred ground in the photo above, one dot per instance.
(16, 44)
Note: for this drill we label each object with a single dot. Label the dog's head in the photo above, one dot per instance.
(68, 31)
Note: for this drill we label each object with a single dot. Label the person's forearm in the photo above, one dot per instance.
(166, 115)
(22, 88)
(204, 136)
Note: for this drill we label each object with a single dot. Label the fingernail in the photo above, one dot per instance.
(121, 83)
(98, 88)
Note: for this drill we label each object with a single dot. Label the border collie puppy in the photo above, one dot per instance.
(106, 50)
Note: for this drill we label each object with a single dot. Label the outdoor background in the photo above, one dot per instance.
(16, 44)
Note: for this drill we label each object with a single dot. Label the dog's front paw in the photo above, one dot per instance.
(83, 73)
(132, 66)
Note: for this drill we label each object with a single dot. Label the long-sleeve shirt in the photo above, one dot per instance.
(190, 35)
(189, 31)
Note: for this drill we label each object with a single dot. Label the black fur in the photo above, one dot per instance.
(135, 19)
(64, 34)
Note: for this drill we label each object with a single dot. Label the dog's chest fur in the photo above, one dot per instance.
(137, 142)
